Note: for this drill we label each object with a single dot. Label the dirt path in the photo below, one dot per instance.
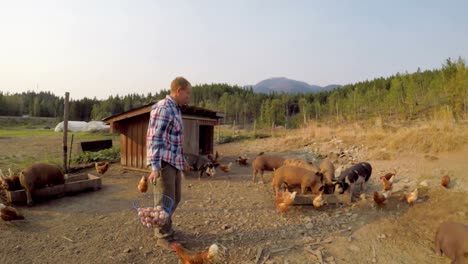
(101, 227)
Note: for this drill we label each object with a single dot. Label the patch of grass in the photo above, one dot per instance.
(16, 122)
(17, 132)
(111, 154)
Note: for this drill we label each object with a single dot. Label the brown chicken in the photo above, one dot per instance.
(143, 184)
(284, 200)
(380, 199)
(242, 161)
(389, 176)
(318, 201)
(225, 168)
(387, 185)
(101, 169)
(8, 213)
(445, 181)
(209, 256)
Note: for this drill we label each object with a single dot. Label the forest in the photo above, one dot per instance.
(404, 96)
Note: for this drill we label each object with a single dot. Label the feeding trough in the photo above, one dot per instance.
(73, 184)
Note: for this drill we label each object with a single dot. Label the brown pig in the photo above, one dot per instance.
(292, 175)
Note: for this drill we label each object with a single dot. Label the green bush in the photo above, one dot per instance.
(111, 154)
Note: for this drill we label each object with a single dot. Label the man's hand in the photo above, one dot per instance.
(153, 176)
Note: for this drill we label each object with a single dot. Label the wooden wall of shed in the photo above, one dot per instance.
(133, 140)
(191, 132)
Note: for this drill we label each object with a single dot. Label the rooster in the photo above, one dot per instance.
(241, 160)
(445, 181)
(8, 213)
(318, 201)
(101, 169)
(380, 199)
(411, 197)
(225, 168)
(284, 200)
(212, 255)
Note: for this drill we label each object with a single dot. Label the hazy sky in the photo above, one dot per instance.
(102, 47)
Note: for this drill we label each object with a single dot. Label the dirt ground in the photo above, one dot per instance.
(102, 227)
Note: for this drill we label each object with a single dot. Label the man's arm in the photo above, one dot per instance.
(159, 120)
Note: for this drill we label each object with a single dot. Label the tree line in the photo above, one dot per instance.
(403, 96)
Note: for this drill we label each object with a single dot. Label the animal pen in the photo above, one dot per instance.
(132, 126)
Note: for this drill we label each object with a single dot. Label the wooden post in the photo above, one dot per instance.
(65, 131)
(71, 149)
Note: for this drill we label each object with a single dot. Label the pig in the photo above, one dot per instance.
(356, 174)
(40, 175)
(292, 175)
(301, 164)
(451, 239)
(328, 173)
(200, 163)
(265, 163)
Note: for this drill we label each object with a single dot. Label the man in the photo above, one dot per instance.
(164, 142)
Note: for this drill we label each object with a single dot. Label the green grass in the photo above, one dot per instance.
(13, 122)
(227, 135)
(23, 147)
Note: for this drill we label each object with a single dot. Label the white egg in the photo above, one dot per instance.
(140, 214)
(149, 225)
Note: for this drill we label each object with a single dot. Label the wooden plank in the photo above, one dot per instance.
(19, 197)
(92, 183)
(129, 114)
(138, 143)
(329, 198)
(123, 150)
(141, 143)
(143, 150)
(132, 146)
(78, 177)
(148, 170)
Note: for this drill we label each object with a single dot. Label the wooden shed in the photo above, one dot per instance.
(132, 125)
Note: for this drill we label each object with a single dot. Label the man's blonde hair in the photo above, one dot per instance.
(179, 82)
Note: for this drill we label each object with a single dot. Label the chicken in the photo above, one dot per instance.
(389, 177)
(445, 181)
(241, 160)
(318, 201)
(143, 184)
(225, 168)
(380, 199)
(212, 255)
(411, 197)
(101, 169)
(284, 200)
(387, 185)
(8, 213)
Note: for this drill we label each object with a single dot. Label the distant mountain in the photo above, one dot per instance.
(285, 85)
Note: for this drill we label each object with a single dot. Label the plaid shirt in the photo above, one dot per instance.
(164, 138)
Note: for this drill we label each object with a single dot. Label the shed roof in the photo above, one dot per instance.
(186, 110)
